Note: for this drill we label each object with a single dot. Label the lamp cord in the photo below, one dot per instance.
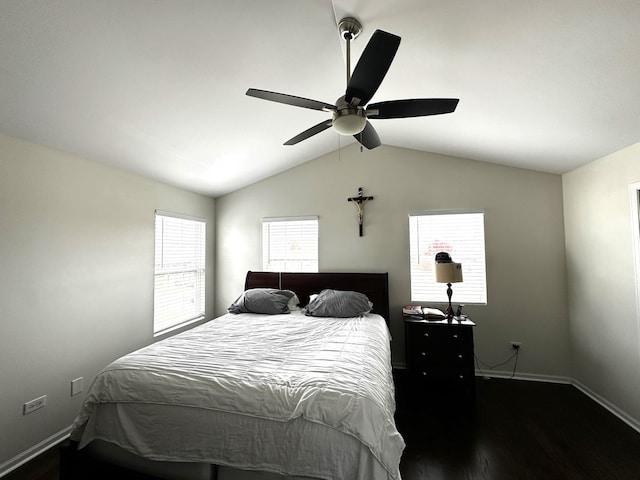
(491, 367)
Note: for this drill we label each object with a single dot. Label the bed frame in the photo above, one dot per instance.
(374, 285)
(82, 464)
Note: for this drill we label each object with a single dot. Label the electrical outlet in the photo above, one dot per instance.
(35, 404)
(515, 345)
(76, 386)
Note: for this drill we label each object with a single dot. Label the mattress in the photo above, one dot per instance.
(288, 394)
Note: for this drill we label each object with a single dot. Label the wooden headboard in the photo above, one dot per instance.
(374, 285)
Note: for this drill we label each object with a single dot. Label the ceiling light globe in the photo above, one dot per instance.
(349, 123)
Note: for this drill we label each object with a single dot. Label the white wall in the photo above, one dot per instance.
(602, 286)
(76, 279)
(524, 239)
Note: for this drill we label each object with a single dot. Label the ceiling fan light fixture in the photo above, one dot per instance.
(349, 121)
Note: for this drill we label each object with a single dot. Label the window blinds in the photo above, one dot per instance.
(179, 270)
(462, 236)
(290, 244)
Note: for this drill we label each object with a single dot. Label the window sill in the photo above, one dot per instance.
(179, 326)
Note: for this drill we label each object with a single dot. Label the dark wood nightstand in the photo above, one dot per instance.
(440, 358)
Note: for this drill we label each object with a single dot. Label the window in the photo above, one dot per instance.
(179, 271)
(461, 234)
(290, 244)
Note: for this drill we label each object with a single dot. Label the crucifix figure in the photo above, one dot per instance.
(359, 202)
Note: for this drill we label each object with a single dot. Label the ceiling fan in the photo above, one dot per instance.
(351, 113)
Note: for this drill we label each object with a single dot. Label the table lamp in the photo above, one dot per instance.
(448, 272)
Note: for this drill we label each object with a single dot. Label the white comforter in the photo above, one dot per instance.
(324, 385)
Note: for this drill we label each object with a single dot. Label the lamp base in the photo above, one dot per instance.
(449, 313)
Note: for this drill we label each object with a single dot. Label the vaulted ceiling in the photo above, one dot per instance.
(158, 87)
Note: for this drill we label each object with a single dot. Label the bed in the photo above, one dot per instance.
(253, 395)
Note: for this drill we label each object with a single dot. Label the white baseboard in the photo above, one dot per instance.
(628, 419)
(22, 458)
(531, 377)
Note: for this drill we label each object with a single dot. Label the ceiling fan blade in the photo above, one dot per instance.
(321, 127)
(368, 137)
(290, 99)
(418, 107)
(372, 67)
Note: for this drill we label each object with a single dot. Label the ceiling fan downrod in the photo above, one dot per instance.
(349, 28)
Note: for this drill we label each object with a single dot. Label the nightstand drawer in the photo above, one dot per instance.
(440, 335)
(453, 375)
(455, 359)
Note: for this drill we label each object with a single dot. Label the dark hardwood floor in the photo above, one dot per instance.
(43, 467)
(516, 430)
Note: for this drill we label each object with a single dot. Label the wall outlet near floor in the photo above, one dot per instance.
(76, 386)
(515, 345)
(35, 404)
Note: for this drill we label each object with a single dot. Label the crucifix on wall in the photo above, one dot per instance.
(359, 203)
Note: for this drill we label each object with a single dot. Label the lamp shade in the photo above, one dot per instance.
(448, 272)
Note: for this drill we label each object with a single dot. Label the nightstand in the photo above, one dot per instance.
(440, 358)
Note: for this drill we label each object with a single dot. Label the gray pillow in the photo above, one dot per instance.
(339, 303)
(262, 300)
